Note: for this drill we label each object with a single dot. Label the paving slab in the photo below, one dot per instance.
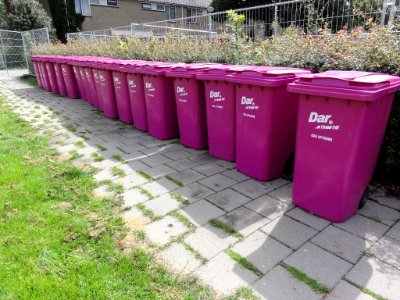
(341, 243)
(279, 284)
(132, 197)
(186, 176)
(194, 192)
(345, 290)
(387, 250)
(380, 213)
(225, 275)
(130, 181)
(176, 155)
(235, 175)
(218, 182)
(289, 231)
(162, 231)
(228, 199)
(244, 220)
(209, 241)
(268, 207)
(209, 169)
(200, 212)
(363, 227)
(261, 250)
(252, 189)
(308, 218)
(389, 201)
(162, 205)
(159, 171)
(378, 277)
(182, 164)
(319, 264)
(394, 232)
(160, 186)
(155, 160)
(283, 193)
(179, 259)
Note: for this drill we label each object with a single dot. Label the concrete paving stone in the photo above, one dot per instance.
(186, 176)
(159, 171)
(159, 187)
(127, 169)
(134, 214)
(105, 164)
(130, 181)
(155, 160)
(252, 189)
(341, 243)
(209, 240)
(157, 142)
(176, 155)
(289, 231)
(226, 164)
(194, 192)
(174, 147)
(225, 275)
(283, 193)
(319, 264)
(308, 218)
(388, 250)
(179, 259)
(162, 205)
(376, 276)
(162, 231)
(154, 151)
(132, 197)
(394, 232)
(277, 183)
(228, 199)
(363, 227)
(182, 164)
(279, 284)
(104, 175)
(244, 221)
(200, 212)
(137, 165)
(262, 251)
(268, 207)
(379, 212)
(392, 202)
(209, 169)
(235, 175)
(218, 182)
(344, 290)
(102, 192)
(202, 158)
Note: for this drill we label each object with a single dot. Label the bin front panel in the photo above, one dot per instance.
(70, 81)
(85, 85)
(265, 130)
(52, 77)
(337, 145)
(137, 100)
(92, 87)
(97, 83)
(107, 94)
(220, 107)
(191, 111)
(122, 97)
(60, 80)
(79, 82)
(38, 75)
(45, 77)
(161, 107)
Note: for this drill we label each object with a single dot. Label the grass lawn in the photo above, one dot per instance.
(57, 241)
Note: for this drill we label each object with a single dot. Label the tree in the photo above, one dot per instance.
(64, 18)
(27, 15)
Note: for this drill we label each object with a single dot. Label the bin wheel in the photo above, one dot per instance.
(364, 198)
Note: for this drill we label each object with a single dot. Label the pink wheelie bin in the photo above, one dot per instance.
(160, 101)
(35, 64)
(78, 78)
(191, 104)
(221, 110)
(266, 116)
(341, 123)
(71, 85)
(51, 74)
(57, 60)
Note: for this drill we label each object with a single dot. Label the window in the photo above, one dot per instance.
(170, 12)
(82, 7)
(192, 13)
(95, 2)
(146, 6)
(160, 7)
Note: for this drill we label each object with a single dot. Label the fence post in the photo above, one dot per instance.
(25, 51)
(48, 37)
(4, 55)
(275, 23)
(209, 28)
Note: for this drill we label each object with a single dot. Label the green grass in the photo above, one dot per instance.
(29, 79)
(182, 219)
(74, 155)
(101, 148)
(50, 250)
(196, 253)
(312, 283)
(178, 197)
(177, 182)
(118, 158)
(97, 157)
(243, 262)
(79, 144)
(147, 212)
(371, 293)
(369, 254)
(144, 192)
(112, 187)
(118, 172)
(226, 228)
(242, 294)
(146, 176)
(122, 150)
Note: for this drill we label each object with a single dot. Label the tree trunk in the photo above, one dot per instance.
(9, 6)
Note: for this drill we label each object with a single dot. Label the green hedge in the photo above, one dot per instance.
(377, 50)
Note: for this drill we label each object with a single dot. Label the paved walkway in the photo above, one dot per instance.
(202, 213)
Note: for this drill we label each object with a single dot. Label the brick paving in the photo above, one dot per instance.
(354, 259)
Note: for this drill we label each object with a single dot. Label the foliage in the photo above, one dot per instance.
(27, 15)
(64, 18)
(377, 50)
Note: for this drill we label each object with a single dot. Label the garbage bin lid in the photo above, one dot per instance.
(222, 72)
(158, 68)
(353, 85)
(190, 70)
(267, 76)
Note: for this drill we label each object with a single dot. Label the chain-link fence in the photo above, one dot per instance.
(265, 20)
(15, 50)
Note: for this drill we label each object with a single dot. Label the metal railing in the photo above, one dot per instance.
(15, 49)
(265, 20)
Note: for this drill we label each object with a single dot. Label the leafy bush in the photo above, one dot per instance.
(28, 14)
(377, 51)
